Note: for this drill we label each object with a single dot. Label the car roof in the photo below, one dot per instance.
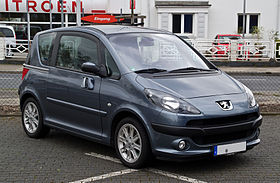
(6, 26)
(117, 29)
(111, 29)
(238, 35)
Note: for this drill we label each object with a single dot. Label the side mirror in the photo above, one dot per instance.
(93, 68)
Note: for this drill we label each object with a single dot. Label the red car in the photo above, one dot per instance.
(222, 42)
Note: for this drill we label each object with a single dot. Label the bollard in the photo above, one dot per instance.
(2, 48)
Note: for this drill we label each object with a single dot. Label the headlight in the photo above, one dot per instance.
(251, 98)
(170, 103)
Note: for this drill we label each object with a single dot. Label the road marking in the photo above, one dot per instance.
(156, 171)
(175, 176)
(105, 176)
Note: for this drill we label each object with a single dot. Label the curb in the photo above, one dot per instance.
(252, 73)
(271, 63)
(270, 113)
(11, 72)
(9, 115)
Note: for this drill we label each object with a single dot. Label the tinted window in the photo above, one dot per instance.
(45, 45)
(75, 50)
(5, 32)
(111, 65)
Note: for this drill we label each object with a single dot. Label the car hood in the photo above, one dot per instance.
(192, 86)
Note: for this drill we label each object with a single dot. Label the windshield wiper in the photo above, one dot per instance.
(150, 70)
(190, 69)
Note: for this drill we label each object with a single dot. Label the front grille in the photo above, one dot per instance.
(218, 138)
(212, 122)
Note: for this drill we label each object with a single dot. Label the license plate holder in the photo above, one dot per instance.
(229, 148)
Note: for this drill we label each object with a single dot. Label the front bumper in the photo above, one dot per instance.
(201, 141)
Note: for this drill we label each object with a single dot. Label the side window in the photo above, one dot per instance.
(73, 51)
(111, 65)
(45, 47)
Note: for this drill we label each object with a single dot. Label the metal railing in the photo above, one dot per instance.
(235, 50)
(214, 50)
(277, 51)
(18, 49)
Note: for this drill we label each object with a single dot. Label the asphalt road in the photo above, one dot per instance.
(266, 87)
(258, 83)
(63, 158)
(254, 82)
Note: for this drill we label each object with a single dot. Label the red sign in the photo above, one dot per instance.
(101, 19)
(130, 4)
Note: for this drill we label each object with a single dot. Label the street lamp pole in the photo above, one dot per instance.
(244, 18)
(62, 15)
(28, 24)
(132, 11)
(50, 2)
(78, 12)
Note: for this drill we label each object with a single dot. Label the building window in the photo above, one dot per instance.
(254, 19)
(188, 23)
(251, 23)
(182, 23)
(176, 24)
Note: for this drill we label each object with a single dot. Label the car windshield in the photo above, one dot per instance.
(156, 52)
(6, 32)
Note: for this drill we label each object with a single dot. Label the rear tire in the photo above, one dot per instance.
(32, 119)
(132, 143)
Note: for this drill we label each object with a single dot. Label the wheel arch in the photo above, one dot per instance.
(123, 114)
(25, 96)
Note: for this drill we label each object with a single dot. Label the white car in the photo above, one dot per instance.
(9, 35)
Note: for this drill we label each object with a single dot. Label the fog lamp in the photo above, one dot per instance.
(182, 145)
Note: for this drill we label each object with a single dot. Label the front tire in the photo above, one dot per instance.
(132, 143)
(32, 119)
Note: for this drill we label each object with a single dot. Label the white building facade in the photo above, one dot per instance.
(199, 19)
(213, 17)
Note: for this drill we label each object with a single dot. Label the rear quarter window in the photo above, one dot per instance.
(45, 47)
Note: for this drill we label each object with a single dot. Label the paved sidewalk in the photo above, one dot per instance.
(9, 67)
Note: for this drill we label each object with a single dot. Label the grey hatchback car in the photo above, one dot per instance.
(145, 92)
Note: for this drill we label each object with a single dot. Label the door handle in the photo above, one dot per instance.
(84, 82)
(88, 83)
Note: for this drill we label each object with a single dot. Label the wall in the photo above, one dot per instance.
(223, 15)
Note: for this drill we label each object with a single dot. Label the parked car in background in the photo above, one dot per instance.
(10, 38)
(245, 49)
(143, 91)
(222, 44)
